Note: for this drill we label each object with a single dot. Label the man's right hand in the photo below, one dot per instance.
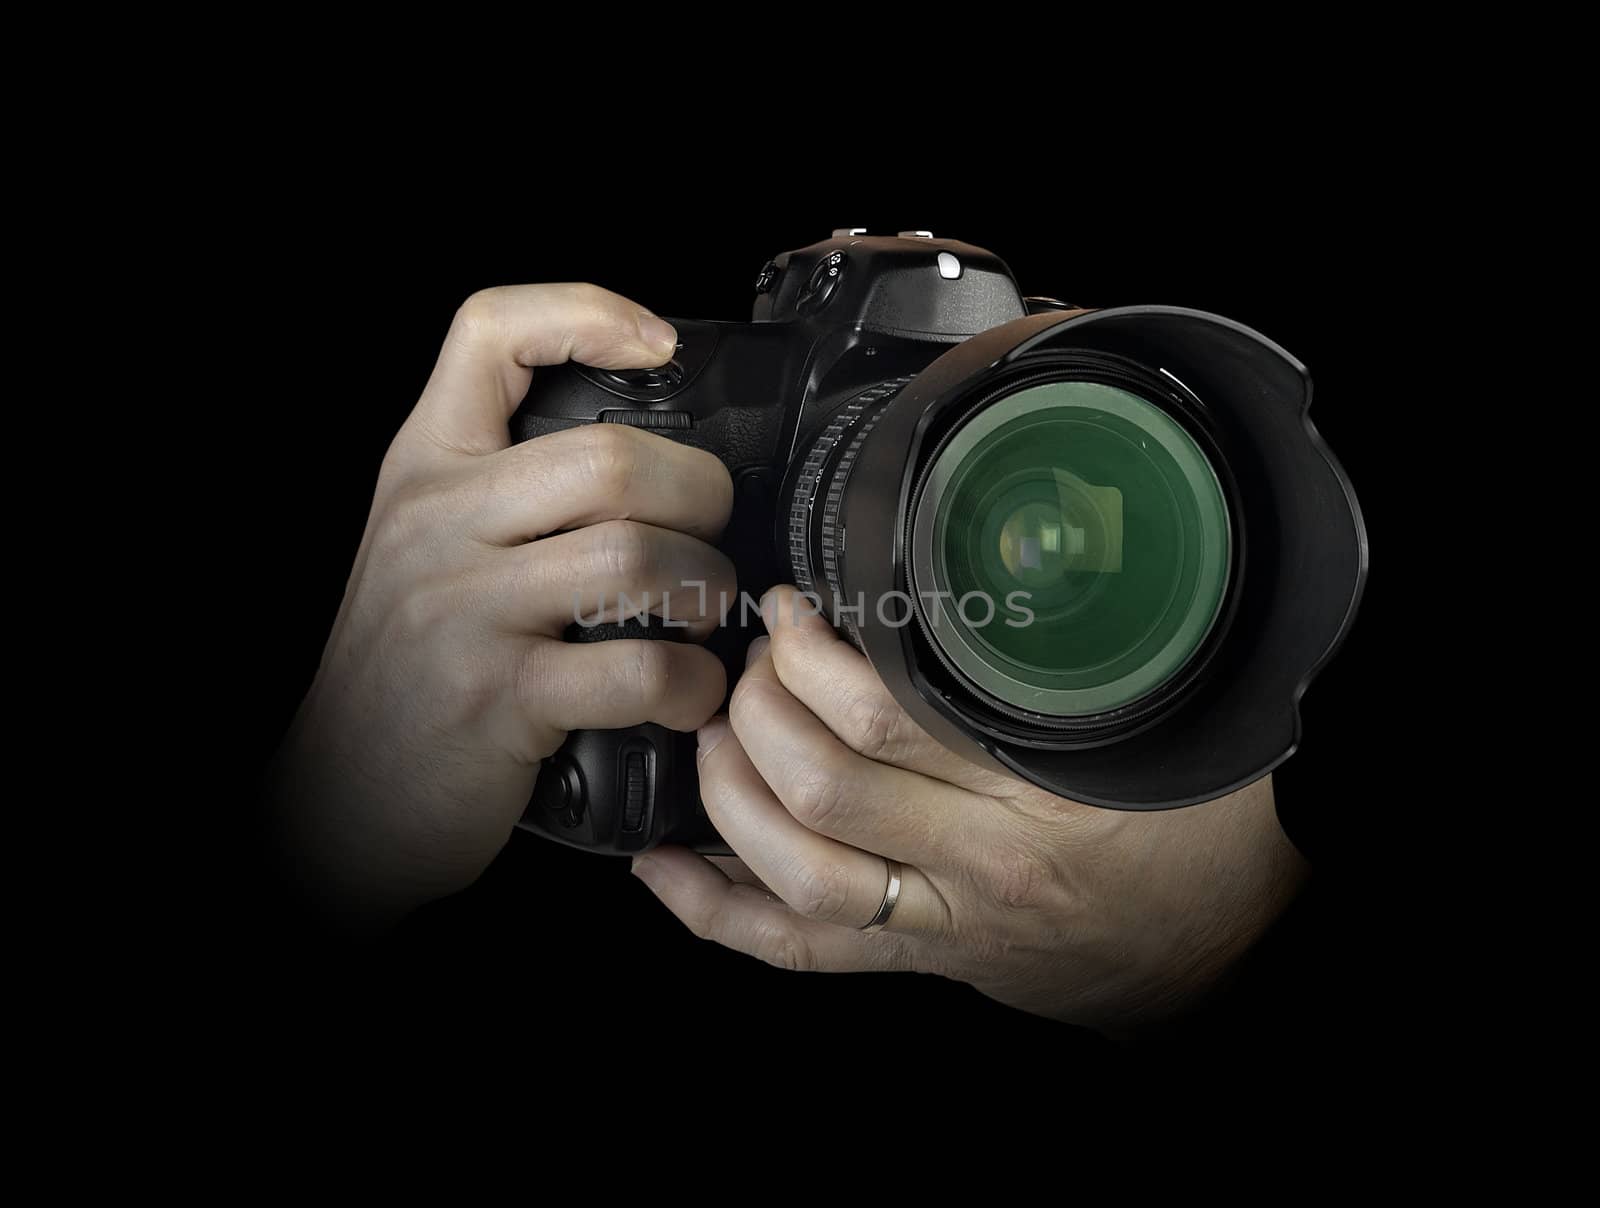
(446, 680)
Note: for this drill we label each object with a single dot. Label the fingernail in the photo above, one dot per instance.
(709, 735)
(657, 333)
(757, 649)
(647, 870)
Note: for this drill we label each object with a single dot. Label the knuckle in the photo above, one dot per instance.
(782, 946)
(701, 920)
(1020, 877)
(820, 893)
(588, 296)
(423, 609)
(750, 701)
(478, 317)
(403, 463)
(611, 458)
(872, 727)
(479, 683)
(408, 517)
(819, 796)
(622, 550)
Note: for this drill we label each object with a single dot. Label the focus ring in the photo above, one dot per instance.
(813, 470)
(831, 534)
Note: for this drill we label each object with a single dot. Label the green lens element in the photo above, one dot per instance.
(1071, 548)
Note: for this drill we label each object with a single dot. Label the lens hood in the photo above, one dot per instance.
(1299, 566)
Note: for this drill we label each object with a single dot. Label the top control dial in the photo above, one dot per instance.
(822, 284)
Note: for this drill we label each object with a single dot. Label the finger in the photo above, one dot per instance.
(832, 790)
(598, 472)
(597, 574)
(736, 870)
(749, 920)
(608, 685)
(819, 878)
(834, 680)
(498, 334)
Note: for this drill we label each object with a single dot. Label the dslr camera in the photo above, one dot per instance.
(1101, 550)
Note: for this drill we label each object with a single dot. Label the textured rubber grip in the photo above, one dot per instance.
(653, 629)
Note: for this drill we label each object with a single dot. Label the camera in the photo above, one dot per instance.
(1101, 550)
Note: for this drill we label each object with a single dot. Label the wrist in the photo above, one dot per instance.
(329, 861)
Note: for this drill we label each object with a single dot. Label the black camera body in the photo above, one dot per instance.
(865, 355)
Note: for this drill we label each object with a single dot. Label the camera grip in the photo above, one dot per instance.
(529, 425)
(622, 791)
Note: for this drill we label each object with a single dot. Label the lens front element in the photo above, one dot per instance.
(1070, 548)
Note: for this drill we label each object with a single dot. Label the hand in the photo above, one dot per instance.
(1099, 917)
(445, 680)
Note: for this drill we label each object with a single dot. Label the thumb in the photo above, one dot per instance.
(499, 335)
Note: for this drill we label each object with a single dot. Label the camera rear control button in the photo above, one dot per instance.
(635, 792)
(656, 381)
(560, 790)
(648, 417)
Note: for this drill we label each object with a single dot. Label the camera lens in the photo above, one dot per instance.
(1104, 551)
(1070, 548)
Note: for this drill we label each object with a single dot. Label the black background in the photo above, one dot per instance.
(345, 296)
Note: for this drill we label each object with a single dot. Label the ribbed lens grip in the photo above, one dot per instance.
(815, 533)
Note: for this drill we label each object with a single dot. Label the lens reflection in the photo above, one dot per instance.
(1105, 515)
